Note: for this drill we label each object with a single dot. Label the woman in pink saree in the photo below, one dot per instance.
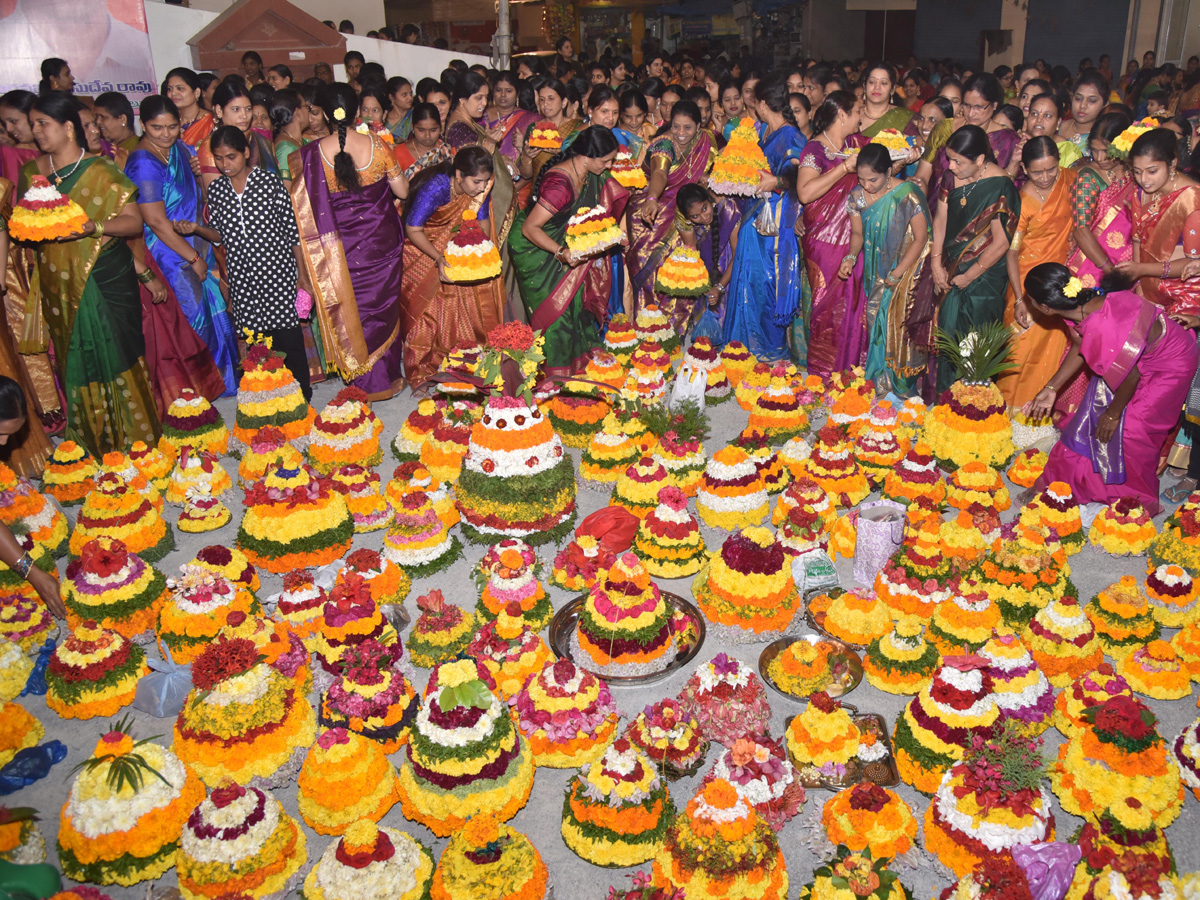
(826, 177)
(682, 156)
(1141, 364)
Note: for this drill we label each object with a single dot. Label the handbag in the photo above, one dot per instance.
(766, 222)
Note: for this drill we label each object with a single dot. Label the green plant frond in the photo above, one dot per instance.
(980, 354)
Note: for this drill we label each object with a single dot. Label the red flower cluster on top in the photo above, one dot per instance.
(364, 560)
(216, 555)
(824, 702)
(297, 580)
(104, 558)
(743, 555)
(513, 336)
(222, 659)
(350, 394)
(1002, 878)
(261, 356)
(1124, 716)
(383, 850)
(865, 795)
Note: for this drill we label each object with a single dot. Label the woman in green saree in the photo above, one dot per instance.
(88, 289)
(878, 113)
(973, 228)
(890, 226)
(565, 296)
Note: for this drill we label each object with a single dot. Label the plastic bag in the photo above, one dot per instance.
(1049, 868)
(707, 325)
(163, 692)
(880, 533)
(30, 765)
(689, 385)
(36, 683)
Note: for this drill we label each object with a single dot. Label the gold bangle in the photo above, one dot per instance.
(98, 234)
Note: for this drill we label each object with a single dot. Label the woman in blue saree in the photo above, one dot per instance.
(161, 170)
(890, 227)
(764, 289)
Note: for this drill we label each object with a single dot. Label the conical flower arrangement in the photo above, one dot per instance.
(194, 422)
(94, 672)
(668, 541)
(682, 274)
(294, 519)
(406, 446)
(345, 432)
(114, 588)
(470, 255)
(114, 510)
(510, 572)
(267, 449)
(902, 661)
(360, 487)
(372, 698)
(567, 714)
(739, 167)
(69, 473)
(512, 651)
(704, 358)
(270, 397)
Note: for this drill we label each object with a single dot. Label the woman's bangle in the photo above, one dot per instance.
(195, 259)
(98, 234)
(146, 277)
(851, 258)
(1166, 273)
(23, 565)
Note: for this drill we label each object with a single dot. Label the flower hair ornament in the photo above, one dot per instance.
(1072, 287)
(339, 114)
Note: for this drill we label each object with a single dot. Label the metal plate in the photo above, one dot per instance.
(566, 619)
(837, 687)
(856, 770)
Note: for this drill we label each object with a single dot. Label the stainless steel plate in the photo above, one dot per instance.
(846, 663)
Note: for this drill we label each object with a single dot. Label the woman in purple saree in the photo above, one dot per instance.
(1142, 364)
(682, 156)
(827, 176)
(351, 237)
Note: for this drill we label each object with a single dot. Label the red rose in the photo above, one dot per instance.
(868, 796)
(1122, 715)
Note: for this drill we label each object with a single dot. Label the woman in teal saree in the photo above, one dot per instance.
(564, 296)
(88, 290)
(890, 224)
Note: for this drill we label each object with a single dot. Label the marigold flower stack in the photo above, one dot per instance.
(69, 473)
(197, 608)
(346, 431)
(739, 167)
(747, 591)
(512, 651)
(371, 697)
(270, 397)
(567, 714)
(901, 661)
(442, 631)
(487, 855)
(294, 519)
(94, 672)
(371, 861)
(625, 626)
(194, 422)
(732, 494)
(114, 588)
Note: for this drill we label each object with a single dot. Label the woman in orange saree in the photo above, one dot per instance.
(438, 315)
(1043, 235)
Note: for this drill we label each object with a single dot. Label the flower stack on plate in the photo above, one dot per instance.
(609, 453)
(758, 768)
(914, 581)
(511, 650)
(45, 214)
(1116, 765)
(270, 396)
(294, 520)
(647, 378)
(1116, 862)
(22, 843)
(939, 724)
(471, 256)
(94, 672)
(1179, 540)
(516, 480)
(917, 481)
(592, 231)
(300, 606)
(618, 808)
(418, 540)
(771, 469)
(346, 778)
(878, 451)
(668, 541)
(732, 494)
(445, 446)
(976, 482)
(872, 818)
(25, 621)
(620, 339)
(832, 466)
(510, 572)
(750, 386)
(970, 422)
(823, 737)
(125, 811)
(990, 802)
(684, 460)
(442, 630)
(346, 431)
(670, 736)
(728, 699)
(1023, 577)
(114, 588)
(197, 609)
(1123, 528)
(1186, 752)
(739, 167)
(369, 860)
(854, 875)
(418, 425)
(1121, 616)
(966, 621)
(625, 627)
(637, 488)
(626, 172)
(777, 411)
(350, 618)
(115, 509)
(1174, 595)
(371, 696)
(15, 669)
(804, 493)
(651, 324)
(465, 756)
(197, 470)
(69, 473)
(387, 583)
(264, 850)
(746, 591)
(855, 616)
(277, 646)
(719, 847)
(901, 661)
(683, 274)
(1063, 641)
(577, 412)
(488, 855)
(193, 422)
(1027, 467)
(1091, 689)
(412, 476)
(567, 714)
(578, 566)
(242, 719)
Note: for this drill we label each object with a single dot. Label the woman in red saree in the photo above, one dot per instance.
(825, 179)
(438, 315)
(183, 88)
(1141, 362)
(680, 157)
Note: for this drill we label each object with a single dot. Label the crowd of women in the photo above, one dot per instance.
(226, 204)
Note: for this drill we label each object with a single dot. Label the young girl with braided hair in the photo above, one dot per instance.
(343, 190)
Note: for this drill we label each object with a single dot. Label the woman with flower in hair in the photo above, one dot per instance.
(343, 194)
(1141, 364)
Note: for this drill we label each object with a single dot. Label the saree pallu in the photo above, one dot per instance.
(969, 216)
(1112, 225)
(413, 165)
(436, 316)
(351, 243)
(516, 122)
(876, 324)
(201, 301)
(825, 243)
(1114, 340)
(1003, 141)
(568, 303)
(1161, 230)
(896, 117)
(37, 369)
(650, 244)
(1043, 235)
(195, 134)
(89, 293)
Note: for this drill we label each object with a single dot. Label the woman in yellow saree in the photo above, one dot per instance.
(89, 291)
(1043, 236)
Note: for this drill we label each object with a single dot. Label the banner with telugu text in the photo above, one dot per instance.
(105, 42)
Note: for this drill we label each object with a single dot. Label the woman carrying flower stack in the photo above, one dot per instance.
(1142, 363)
(438, 315)
(563, 295)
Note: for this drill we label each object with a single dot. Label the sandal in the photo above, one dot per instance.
(1180, 491)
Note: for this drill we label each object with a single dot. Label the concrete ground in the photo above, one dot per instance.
(1092, 570)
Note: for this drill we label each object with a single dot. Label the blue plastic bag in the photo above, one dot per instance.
(30, 765)
(706, 326)
(36, 683)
